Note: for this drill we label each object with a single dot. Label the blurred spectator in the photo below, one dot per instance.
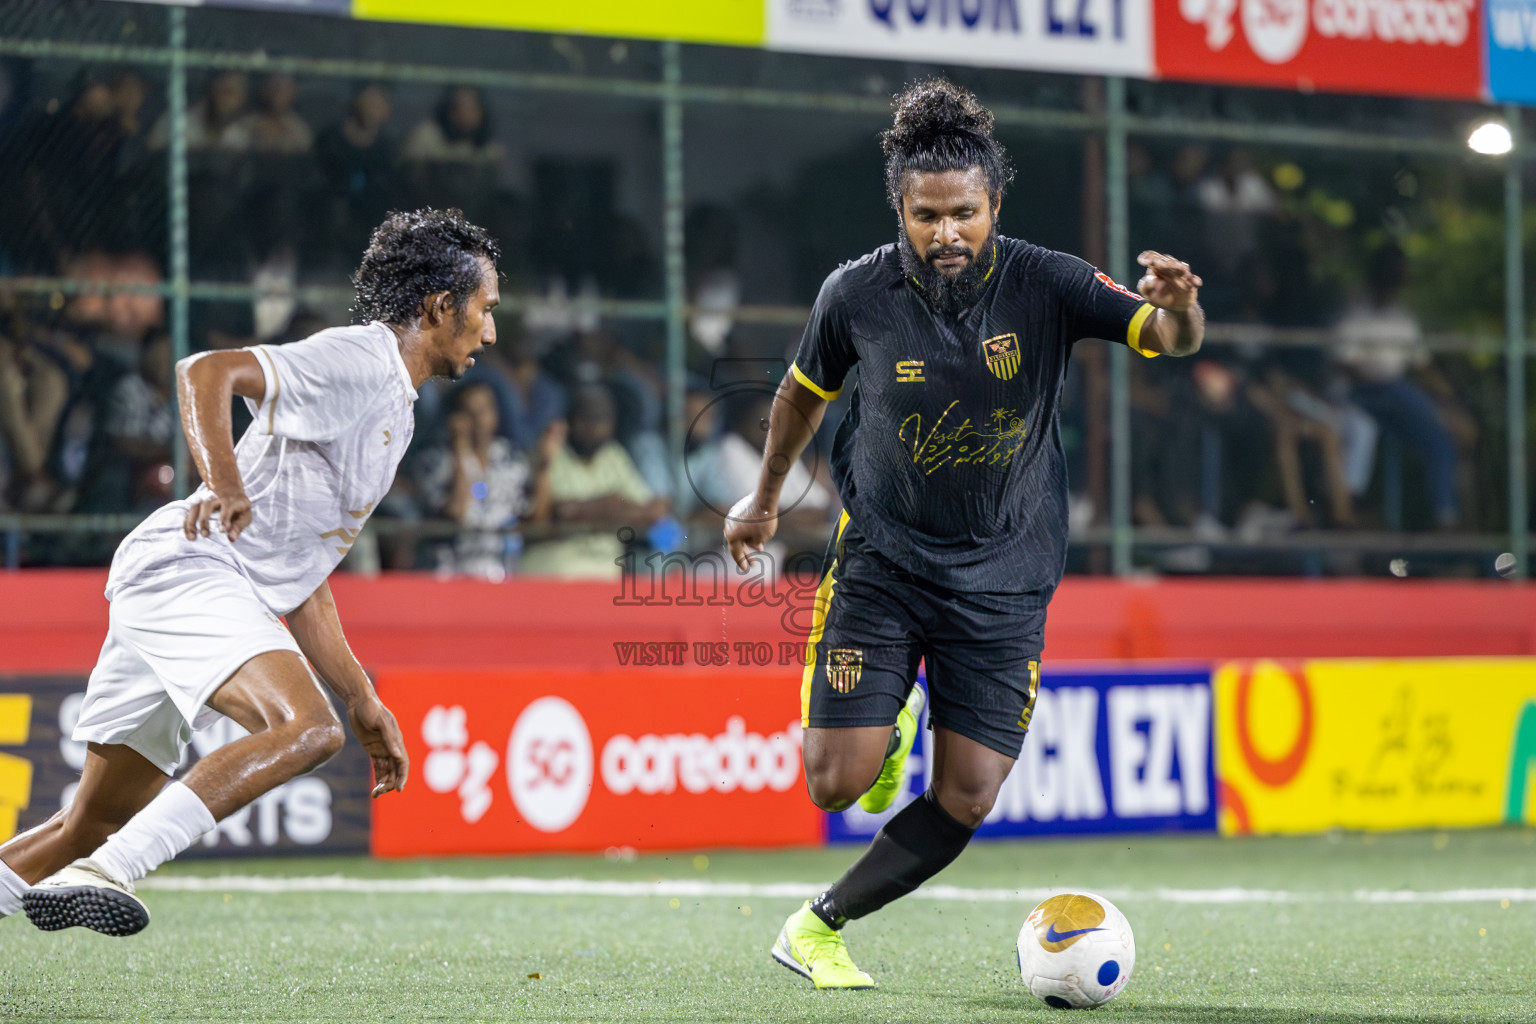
(128, 95)
(137, 431)
(1203, 472)
(15, 79)
(33, 391)
(459, 131)
(15, 82)
(726, 469)
(449, 160)
(357, 156)
(594, 487)
(1235, 207)
(122, 316)
(1236, 187)
(482, 482)
(597, 357)
(535, 399)
(1378, 343)
(274, 126)
(100, 338)
(68, 193)
(581, 232)
(715, 298)
(1297, 412)
(701, 421)
(1153, 203)
(711, 244)
(217, 120)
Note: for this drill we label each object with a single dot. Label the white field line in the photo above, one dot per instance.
(444, 885)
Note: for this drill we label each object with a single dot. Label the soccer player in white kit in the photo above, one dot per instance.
(198, 589)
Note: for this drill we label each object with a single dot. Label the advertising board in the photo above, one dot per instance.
(730, 22)
(1368, 744)
(1512, 50)
(326, 811)
(1108, 750)
(1430, 48)
(520, 761)
(1093, 36)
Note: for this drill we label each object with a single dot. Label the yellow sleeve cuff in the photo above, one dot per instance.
(817, 388)
(1133, 331)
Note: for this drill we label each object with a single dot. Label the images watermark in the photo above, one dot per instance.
(712, 653)
(727, 433)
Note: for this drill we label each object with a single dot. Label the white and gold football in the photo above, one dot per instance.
(1076, 951)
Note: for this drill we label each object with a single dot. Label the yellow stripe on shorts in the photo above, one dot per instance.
(819, 611)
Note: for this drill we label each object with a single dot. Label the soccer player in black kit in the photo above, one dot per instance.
(954, 486)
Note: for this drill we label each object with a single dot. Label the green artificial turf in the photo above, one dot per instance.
(1324, 956)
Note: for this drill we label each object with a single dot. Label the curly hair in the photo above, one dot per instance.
(940, 126)
(414, 254)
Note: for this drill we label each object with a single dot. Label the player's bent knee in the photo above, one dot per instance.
(969, 808)
(829, 795)
(834, 785)
(317, 743)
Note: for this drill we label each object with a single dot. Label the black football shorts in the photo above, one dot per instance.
(874, 622)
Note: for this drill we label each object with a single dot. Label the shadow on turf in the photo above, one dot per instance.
(1182, 1013)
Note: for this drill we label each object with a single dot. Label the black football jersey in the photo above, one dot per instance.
(950, 458)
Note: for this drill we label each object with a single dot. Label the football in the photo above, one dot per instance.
(1076, 951)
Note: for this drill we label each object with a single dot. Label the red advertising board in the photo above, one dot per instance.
(1430, 48)
(525, 761)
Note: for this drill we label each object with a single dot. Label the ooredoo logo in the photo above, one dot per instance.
(731, 760)
(549, 764)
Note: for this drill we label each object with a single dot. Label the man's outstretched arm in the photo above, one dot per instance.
(205, 385)
(317, 629)
(752, 521)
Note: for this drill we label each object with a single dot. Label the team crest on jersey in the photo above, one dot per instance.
(1002, 355)
(844, 666)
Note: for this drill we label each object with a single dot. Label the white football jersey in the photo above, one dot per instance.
(317, 459)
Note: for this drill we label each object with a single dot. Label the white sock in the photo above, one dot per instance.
(11, 888)
(173, 821)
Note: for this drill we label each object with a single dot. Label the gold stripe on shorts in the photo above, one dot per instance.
(819, 611)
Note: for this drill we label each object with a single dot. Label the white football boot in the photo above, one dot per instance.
(85, 896)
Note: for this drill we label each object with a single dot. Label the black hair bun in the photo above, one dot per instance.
(930, 110)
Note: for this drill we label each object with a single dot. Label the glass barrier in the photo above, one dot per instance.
(1350, 384)
(1349, 412)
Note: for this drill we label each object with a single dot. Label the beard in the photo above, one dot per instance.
(949, 295)
(455, 371)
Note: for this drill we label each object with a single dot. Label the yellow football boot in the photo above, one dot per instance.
(893, 774)
(811, 949)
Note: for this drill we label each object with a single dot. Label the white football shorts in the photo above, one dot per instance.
(172, 640)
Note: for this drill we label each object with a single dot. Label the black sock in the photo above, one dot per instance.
(918, 843)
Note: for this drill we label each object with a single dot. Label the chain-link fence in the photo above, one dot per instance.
(173, 180)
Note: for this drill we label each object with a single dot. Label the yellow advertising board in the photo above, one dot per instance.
(726, 22)
(1362, 744)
